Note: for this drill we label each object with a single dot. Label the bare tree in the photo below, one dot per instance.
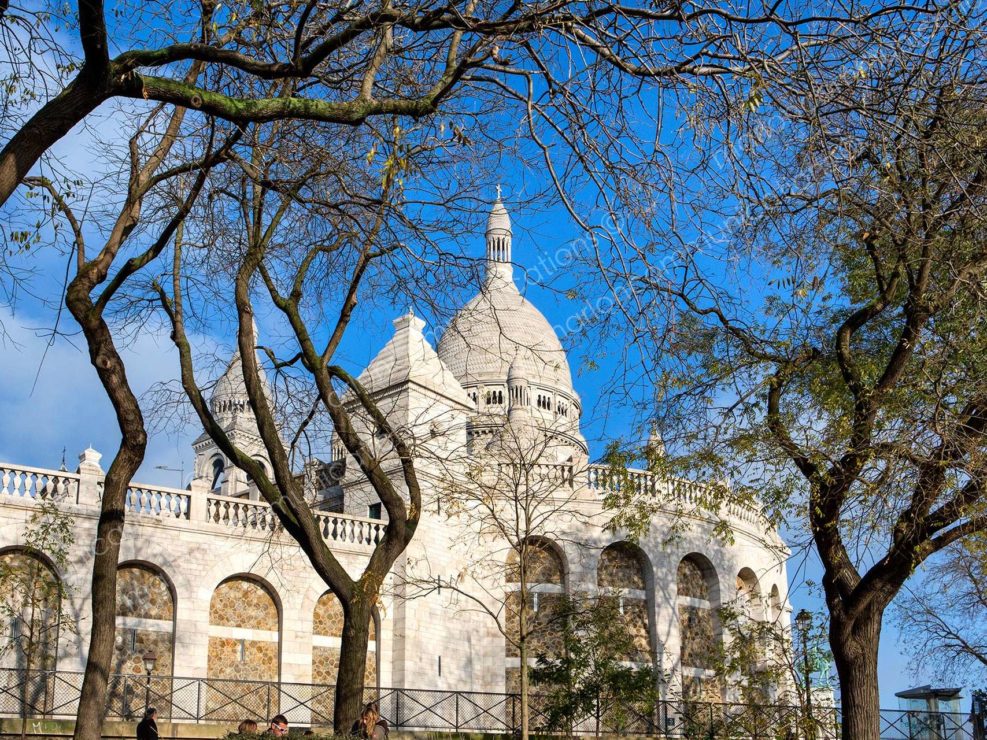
(350, 64)
(172, 184)
(941, 617)
(514, 506)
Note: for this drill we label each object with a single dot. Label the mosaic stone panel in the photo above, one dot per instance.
(698, 636)
(129, 648)
(512, 680)
(243, 603)
(543, 565)
(325, 666)
(692, 581)
(620, 567)
(32, 592)
(143, 593)
(544, 632)
(636, 619)
(247, 660)
(327, 619)
(701, 689)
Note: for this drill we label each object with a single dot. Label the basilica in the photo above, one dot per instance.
(212, 588)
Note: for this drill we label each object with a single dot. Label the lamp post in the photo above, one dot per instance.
(803, 621)
(150, 660)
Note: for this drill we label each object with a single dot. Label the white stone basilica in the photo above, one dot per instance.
(215, 590)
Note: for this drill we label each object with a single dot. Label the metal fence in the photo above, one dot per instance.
(55, 695)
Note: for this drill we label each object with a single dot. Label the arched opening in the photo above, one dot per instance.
(218, 473)
(699, 629)
(775, 605)
(145, 623)
(624, 573)
(32, 606)
(244, 631)
(535, 578)
(749, 602)
(33, 602)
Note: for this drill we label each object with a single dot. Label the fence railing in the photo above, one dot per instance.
(55, 695)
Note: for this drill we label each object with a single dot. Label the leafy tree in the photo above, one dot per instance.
(825, 345)
(591, 680)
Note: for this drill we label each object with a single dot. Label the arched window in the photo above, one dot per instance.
(624, 573)
(699, 629)
(244, 631)
(327, 629)
(543, 584)
(218, 473)
(145, 622)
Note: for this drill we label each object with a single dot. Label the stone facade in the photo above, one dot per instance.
(211, 585)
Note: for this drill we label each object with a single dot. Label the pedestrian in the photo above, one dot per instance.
(147, 728)
(371, 726)
(278, 726)
(247, 727)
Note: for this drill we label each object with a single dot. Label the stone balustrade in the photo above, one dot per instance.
(678, 493)
(37, 483)
(235, 515)
(243, 515)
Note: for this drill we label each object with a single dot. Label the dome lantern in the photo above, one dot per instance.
(499, 239)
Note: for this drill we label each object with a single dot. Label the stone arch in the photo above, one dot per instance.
(145, 622)
(699, 629)
(775, 605)
(34, 597)
(544, 588)
(327, 630)
(244, 630)
(145, 618)
(625, 574)
(749, 600)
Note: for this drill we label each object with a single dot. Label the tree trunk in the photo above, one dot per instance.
(352, 665)
(55, 119)
(855, 654)
(523, 656)
(109, 530)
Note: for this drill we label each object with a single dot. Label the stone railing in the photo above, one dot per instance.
(680, 494)
(37, 483)
(190, 508)
(163, 502)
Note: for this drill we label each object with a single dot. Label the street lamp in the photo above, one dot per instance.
(179, 470)
(803, 621)
(150, 660)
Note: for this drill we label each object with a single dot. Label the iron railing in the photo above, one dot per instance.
(55, 695)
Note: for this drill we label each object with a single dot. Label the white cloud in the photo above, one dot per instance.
(68, 407)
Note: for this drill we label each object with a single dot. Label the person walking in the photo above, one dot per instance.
(247, 727)
(147, 728)
(371, 726)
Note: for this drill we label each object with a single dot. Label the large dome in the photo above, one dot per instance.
(499, 328)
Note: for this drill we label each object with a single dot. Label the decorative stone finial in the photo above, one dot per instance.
(89, 461)
(409, 322)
